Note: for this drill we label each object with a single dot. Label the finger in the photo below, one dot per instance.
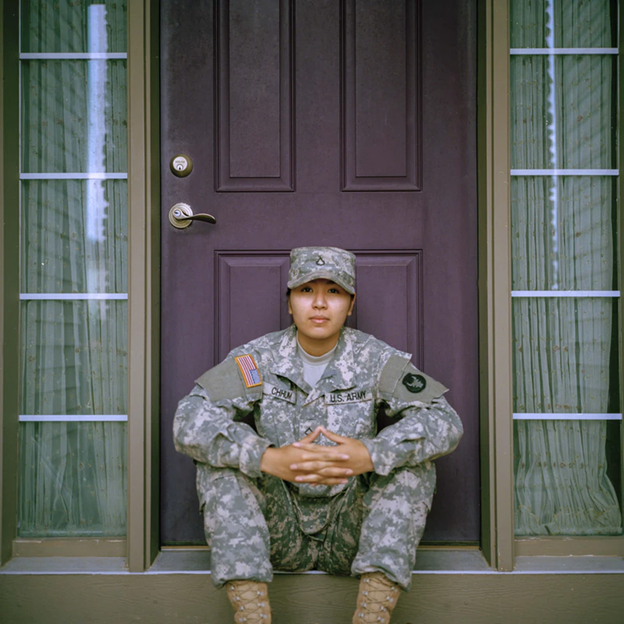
(325, 456)
(332, 471)
(334, 437)
(310, 466)
(303, 443)
(313, 448)
(310, 437)
(317, 448)
(325, 468)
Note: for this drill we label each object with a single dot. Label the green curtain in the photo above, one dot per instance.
(74, 240)
(563, 238)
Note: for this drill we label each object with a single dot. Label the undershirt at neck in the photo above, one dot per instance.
(314, 366)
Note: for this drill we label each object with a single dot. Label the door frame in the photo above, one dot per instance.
(143, 527)
(494, 269)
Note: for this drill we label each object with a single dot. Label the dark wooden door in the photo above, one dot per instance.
(320, 122)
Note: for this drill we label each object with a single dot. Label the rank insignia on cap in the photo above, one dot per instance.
(249, 370)
(320, 261)
(414, 383)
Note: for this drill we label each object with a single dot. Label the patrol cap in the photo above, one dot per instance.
(332, 263)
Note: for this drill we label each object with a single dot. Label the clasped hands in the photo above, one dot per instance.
(306, 462)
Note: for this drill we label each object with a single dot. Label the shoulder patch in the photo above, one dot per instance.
(249, 370)
(415, 383)
(391, 373)
(225, 382)
(402, 380)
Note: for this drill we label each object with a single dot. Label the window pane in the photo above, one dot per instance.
(574, 24)
(564, 483)
(563, 233)
(74, 116)
(564, 355)
(75, 358)
(74, 236)
(73, 26)
(562, 113)
(73, 479)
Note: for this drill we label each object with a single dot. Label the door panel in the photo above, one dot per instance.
(255, 95)
(320, 122)
(381, 103)
(244, 278)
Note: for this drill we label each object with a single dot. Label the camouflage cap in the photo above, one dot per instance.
(332, 263)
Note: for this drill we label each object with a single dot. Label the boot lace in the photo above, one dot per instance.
(250, 602)
(377, 598)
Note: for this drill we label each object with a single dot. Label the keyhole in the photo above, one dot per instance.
(181, 166)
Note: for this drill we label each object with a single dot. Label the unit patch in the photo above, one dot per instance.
(352, 396)
(414, 383)
(249, 370)
(279, 393)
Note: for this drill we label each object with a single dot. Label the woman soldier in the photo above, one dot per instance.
(315, 486)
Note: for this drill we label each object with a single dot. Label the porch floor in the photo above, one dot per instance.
(450, 586)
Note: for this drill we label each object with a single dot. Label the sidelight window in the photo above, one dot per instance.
(74, 282)
(564, 216)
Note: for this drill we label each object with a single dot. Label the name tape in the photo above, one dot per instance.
(279, 393)
(353, 396)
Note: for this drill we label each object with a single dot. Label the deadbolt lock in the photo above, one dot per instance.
(181, 165)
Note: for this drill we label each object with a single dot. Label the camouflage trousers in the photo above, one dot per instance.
(254, 526)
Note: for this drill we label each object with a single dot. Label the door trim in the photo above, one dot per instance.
(144, 284)
(493, 166)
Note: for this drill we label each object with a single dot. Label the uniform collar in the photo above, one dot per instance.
(339, 374)
(286, 362)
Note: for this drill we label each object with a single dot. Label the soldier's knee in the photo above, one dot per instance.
(409, 485)
(407, 476)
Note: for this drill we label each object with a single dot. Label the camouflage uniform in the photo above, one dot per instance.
(256, 522)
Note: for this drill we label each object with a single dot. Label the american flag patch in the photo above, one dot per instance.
(249, 369)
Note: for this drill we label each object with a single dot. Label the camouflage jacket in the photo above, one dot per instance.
(365, 376)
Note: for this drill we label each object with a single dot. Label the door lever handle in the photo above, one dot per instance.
(181, 216)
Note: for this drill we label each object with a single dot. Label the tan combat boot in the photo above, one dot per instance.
(377, 598)
(250, 601)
